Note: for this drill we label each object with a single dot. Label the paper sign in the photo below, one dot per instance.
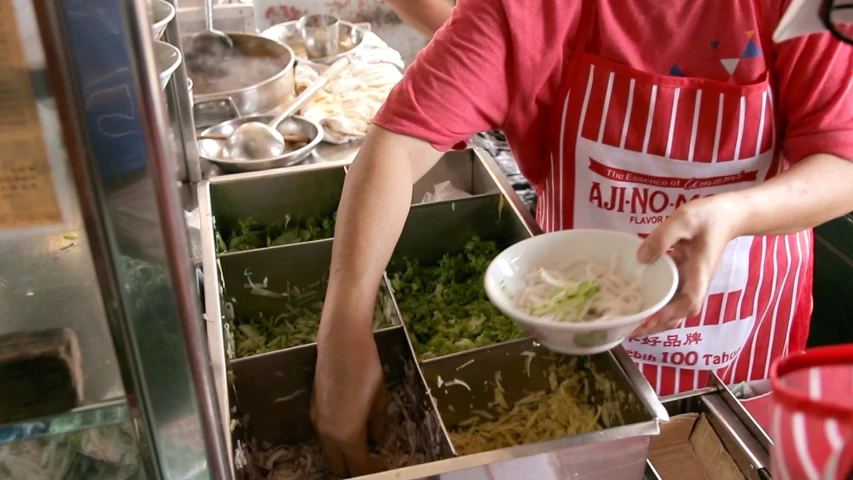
(28, 195)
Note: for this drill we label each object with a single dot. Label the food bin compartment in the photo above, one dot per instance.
(273, 401)
(466, 171)
(275, 296)
(275, 207)
(707, 438)
(597, 426)
(437, 268)
(299, 204)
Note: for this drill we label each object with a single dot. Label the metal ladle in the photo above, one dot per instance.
(211, 43)
(258, 141)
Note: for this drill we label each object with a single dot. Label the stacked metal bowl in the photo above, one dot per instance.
(168, 56)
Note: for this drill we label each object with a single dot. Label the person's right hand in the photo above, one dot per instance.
(349, 401)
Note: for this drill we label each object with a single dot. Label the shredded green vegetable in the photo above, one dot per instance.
(566, 302)
(445, 306)
(296, 324)
(252, 233)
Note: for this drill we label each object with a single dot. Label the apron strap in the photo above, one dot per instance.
(586, 25)
(766, 41)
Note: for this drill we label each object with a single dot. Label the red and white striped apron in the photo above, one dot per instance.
(812, 415)
(629, 147)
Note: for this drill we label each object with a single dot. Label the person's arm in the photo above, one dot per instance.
(815, 79)
(816, 190)
(426, 16)
(442, 100)
(374, 206)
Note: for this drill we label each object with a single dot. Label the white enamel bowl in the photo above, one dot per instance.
(505, 277)
(162, 12)
(168, 60)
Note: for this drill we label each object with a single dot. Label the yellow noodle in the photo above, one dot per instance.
(539, 416)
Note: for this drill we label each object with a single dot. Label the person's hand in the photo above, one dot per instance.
(349, 401)
(697, 233)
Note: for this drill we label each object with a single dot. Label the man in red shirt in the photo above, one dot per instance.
(681, 122)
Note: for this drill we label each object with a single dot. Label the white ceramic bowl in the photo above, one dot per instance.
(505, 277)
(162, 12)
(168, 59)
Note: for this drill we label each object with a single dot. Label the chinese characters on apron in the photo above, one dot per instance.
(627, 149)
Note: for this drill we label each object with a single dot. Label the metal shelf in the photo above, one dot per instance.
(99, 415)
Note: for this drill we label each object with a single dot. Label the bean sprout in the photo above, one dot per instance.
(582, 292)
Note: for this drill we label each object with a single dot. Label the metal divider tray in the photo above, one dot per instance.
(264, 396)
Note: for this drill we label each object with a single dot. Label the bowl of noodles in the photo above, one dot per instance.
(579, 292)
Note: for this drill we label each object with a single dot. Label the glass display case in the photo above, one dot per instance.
(104, 369)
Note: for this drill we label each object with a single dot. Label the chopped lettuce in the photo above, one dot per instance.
(251, 233)
(445, 305)
(296, 324)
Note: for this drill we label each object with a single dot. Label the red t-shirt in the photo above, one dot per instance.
(498, 64)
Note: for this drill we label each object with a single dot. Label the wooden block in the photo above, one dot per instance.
(40, 374)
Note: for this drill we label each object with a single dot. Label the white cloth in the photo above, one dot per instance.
(803, 18)
(346, 106)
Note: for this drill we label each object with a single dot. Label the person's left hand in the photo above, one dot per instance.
(697, 233)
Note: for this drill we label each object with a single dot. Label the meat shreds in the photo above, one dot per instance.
(305, 461)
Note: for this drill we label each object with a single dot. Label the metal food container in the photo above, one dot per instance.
(299, 191)
(276, 412)
(307, 265)
(211, 108)
(351, 36)
(629, 415)
(466, 171)
(272, 394)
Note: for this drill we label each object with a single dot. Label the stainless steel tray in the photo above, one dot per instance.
(274, 390)
(493, 212)
(270, 195)
(628, 413)
(211, 149)
(307, 264)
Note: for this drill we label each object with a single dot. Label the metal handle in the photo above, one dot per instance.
(333, 71)
(208, 15)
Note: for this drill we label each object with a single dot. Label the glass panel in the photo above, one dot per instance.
(47, 276)
(100, 453)
(115, 315)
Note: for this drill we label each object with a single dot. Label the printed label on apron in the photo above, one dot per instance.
(705, 347)
(635, 192)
